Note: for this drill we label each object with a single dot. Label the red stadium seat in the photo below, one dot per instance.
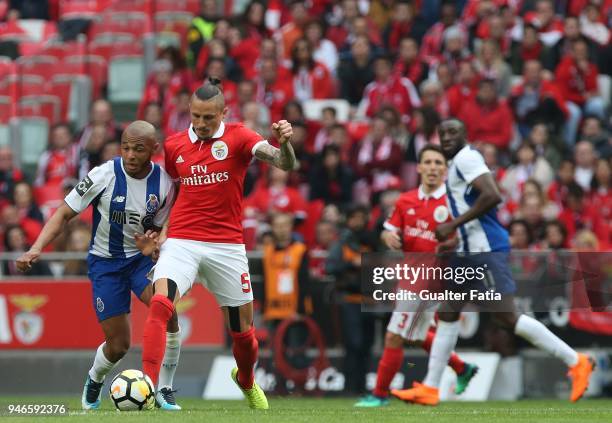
(127, 6)
(192, 6)
(5, 109)
(108, 51)
(93, 66)
(44, 66)
(58, 50)
(165, 18)
(46, 106)
(78, 9)
(27, 85)
(135, 24)
(61, 87)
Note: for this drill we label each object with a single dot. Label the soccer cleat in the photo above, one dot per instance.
(90, 400)
(164, 398)
(372, 401)
(580, 374)
(419, 394)
(464, 378)
(255, 396)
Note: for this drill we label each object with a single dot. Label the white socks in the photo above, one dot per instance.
(101, 365)
(171, 359)
(539, 335)
(441, 348)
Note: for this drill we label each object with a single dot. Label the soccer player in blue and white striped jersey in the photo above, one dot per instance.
(473, 196)
(131, 197)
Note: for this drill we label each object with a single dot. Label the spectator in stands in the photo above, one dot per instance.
(404, 23)
(529, 47)
(181, 74)
(558, 189)
(28, 9)
(311, 79)
(423, 129)
(15, 242)
(31, 227)
(254, 20)
(435, 37)
(601, 193)
(256, 118)
(273, 91)
(576, 76)
(9, 176)
(202, 30)
(487, 118)
(352, 25)
(244, 50)
(555, 236)
(586, 240)
(491, 65)
(330, 179)
(326, 233)
(275, 196)
(293, 30)
(324, 51)
(594, 132)
(158, 89)
(563, 47)
(179, 118)
(375, 160)
(532, 188)
(434, 97)
(530, 210)
(548, 26)
(154, 115)
(24, 201)
(322, 137)
(111, 150)
(546, 145)
(77, 241)
(464, 90)
(344, 262)
(408, 63)
(356, 72)
(60, 160)
(592, 26)
(96, 133)
(585, 159)
(491, 157)
(536, 99)
(388, 89)
(285, 272)
(520, 235)
(578, 214)
(528, 165)
(339, 136)
(455, 48)
(494, 28)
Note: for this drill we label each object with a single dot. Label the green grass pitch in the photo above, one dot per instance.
(294, 410)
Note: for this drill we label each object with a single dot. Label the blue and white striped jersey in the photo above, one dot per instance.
(482, 234)
(123, 206)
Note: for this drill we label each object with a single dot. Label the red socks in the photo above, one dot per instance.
(154, 336)
(389, 365)
(245, 351)
(457, 364)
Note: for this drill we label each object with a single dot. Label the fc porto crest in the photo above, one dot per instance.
(152, 204)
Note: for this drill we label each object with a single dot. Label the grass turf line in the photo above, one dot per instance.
(297, 410)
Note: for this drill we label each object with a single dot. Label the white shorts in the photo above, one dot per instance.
(411, 325)
(222, 268)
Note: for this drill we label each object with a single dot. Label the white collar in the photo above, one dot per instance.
(437, 194)
(193, 137)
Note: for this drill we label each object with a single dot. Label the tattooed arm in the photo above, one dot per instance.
(283, 157)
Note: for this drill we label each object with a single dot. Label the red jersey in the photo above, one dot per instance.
(211, 173)
(416, 216)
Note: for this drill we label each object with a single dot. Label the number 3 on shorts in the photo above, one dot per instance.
(245, 280)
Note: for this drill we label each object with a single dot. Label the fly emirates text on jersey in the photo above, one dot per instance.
(200, 176)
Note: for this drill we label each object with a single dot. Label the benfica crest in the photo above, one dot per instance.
(27, 324)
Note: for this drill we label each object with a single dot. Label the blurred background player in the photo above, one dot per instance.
(130, 196)
(410, 228)
(473, 196)
(209, 161)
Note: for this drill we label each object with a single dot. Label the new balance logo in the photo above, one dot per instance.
(180, 159)
(411, 211)
(119, 199)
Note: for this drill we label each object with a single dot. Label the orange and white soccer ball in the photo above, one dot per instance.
(132, 390)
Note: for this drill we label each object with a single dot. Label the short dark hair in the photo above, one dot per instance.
(355, 209)
(522, 222)
(430, 147)
(209, 90)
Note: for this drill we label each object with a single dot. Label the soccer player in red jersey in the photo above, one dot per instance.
(411, 228)
(204, 236)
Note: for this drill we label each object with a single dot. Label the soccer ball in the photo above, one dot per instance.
(132, 390)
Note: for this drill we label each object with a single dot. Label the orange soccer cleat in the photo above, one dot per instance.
(419, 394)
(580, 375)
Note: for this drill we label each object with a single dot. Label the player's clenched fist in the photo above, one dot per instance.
(24, 263)
(282, 131)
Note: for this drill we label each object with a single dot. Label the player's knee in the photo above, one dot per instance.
(393, 340)
(117, 348)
